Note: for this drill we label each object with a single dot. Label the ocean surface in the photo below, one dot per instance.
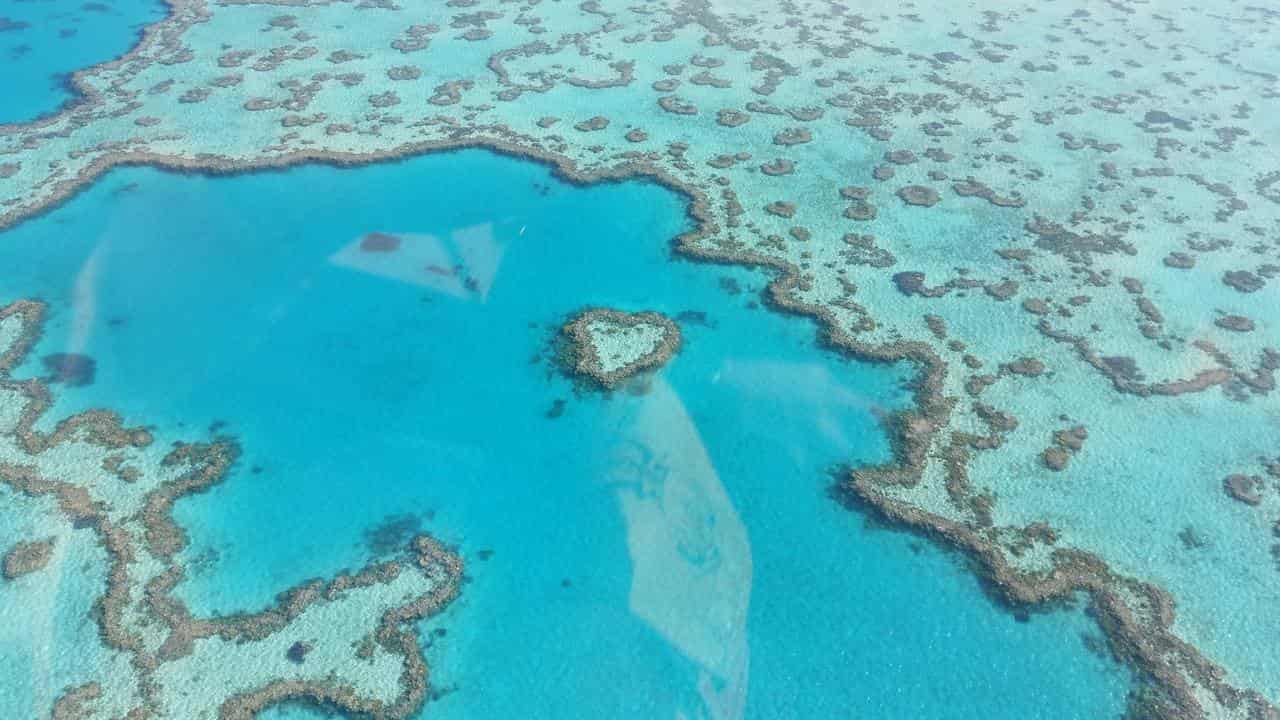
(667, 550)
(43, 41)
(1070, 205)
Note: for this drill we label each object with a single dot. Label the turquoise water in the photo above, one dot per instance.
(44, 41)
(668, 549)
(47, 632)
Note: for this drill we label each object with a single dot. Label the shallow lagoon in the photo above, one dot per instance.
(639, 554)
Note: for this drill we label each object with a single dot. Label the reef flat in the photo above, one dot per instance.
(610, 346)
(341, 642)
(1064, 215)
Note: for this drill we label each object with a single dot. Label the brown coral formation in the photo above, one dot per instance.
(1245, 488)
(581, 355)
(919, 195)
(377, 242)
(1235, 323)
(1065, 444)
(27, 557)
(781, 166)
(592, 124)
(197, 466)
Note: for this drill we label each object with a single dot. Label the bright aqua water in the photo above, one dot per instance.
(47, 632)
(652, 553)
(46, 40)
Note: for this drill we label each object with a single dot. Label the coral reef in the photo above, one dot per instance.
(1122, 263)
(27, 557)
(178, 661)
(609, 346)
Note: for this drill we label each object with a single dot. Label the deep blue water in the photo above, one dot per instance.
(650, 553)
(43, 41)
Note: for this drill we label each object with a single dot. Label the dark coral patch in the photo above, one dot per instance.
(1235, 323)
(1243, 280)
(71, 368)
(297, 652)
(1245, 488)
(27, 557)
(781, 166)
(376, 242)
(919, 195)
